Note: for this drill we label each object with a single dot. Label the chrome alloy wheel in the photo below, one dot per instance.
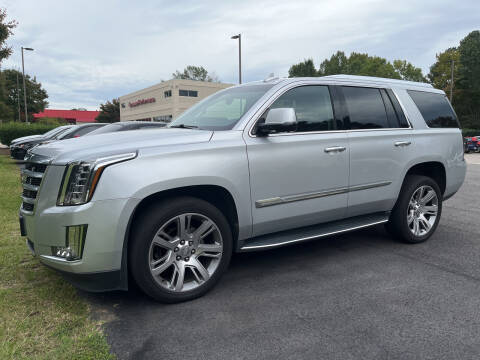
(422, 210)
(185, 252)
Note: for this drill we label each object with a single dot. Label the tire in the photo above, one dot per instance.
(179, 266)
(406, 222)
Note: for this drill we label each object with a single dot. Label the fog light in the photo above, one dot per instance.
(74, 243)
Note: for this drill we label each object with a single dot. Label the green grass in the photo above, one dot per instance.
(41, 316)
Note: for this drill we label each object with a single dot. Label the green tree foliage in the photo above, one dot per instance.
(441, 71)
(304, 69)
(36, 95)
(109, 112)
(466, 76)
(6, 29)
(198, 73)
(408, 72)
(358, 64)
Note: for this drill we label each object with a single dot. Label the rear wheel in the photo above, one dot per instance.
(179, 249)
(417, 211)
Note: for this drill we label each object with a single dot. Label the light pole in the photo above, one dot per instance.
(24, 88)
(239, 37)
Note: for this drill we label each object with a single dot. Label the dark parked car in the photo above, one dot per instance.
(127, 126)
(80, 130)
(20, 146)
(471, 144)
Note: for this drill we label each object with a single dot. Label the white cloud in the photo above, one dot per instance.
(90, 51)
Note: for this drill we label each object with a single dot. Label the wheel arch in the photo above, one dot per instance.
(216, 195)
(432, 169)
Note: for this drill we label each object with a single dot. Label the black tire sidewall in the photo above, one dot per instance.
(398, 220)
(143, 231)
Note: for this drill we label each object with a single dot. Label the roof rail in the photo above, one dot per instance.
(377, 80)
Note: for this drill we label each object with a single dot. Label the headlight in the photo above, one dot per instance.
(80, 179)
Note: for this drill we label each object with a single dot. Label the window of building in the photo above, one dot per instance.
(167, 93)
(189, 93)
(365, 107)
(163, 118)
(313, 108)
(435, 109)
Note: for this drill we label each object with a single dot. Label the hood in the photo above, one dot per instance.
(25, 138)
(92, 147)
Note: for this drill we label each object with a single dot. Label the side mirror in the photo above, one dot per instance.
(278, 120)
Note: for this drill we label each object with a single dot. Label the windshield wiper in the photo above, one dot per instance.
(183, 126)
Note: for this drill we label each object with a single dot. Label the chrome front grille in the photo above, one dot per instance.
(32, 176)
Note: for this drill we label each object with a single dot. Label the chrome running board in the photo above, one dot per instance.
(288, 237)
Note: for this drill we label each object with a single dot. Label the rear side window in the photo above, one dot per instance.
(435, 109)
(365, 107)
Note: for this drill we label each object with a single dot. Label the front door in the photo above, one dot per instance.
(300, 178)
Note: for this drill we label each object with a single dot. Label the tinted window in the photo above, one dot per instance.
(398, 109)
(191, 93)
(313, 107)
(82, 131)
(435, 109)
(365, 107)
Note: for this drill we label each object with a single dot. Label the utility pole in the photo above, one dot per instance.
(239, 37)
(24, 88)
(451, 81)
(18, 100)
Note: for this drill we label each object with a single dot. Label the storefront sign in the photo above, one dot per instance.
(141, 102)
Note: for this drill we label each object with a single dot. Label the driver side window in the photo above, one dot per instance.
(313, 107)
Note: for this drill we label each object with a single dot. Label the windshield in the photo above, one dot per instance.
(222, 110)
(63, 131)
(52, 132)
(107, 129)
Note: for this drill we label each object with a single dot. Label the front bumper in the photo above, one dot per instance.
(100, 267)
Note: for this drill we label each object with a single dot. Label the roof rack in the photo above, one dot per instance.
(377, 80)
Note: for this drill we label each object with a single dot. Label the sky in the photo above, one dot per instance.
(88, 52)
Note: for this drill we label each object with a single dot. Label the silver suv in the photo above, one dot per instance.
(252, 167)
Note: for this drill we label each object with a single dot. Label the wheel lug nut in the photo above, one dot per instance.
(187, 258)
(190, 243)
(182, 242)
(176, 249)
(193, 251)
(179, 258)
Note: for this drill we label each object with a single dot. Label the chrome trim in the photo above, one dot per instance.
(314, 236)
(28, 200)
(403, 108)
(402, 143)
(31, 187)
(335, 149)
(33, 174)
(58, 259)
(300, 197)
(369, 186)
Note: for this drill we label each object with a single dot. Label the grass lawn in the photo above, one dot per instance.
(41, 316)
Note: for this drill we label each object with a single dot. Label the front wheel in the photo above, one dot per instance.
(417, 211)
(179, 249)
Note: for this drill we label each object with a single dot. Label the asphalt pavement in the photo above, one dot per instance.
(356, 296)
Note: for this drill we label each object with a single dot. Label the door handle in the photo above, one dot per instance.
(335, 149)
(403, 143)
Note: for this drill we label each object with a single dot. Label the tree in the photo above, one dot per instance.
(408, 72)
(198, 73)
(358, 64)
(109, 112)
(441, 71)
(36, 95)
(6, 29)
(305, 68)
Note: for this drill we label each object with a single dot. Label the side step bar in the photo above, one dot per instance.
(282, 238)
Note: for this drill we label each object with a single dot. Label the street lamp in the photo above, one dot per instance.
(24, 88)
(239, 37)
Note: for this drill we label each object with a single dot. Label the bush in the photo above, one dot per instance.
(51, 121)
(12, 130)
(471, 132)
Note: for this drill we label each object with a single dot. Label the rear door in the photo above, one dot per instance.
(380, 139)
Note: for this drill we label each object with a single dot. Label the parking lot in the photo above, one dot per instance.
(359, 295)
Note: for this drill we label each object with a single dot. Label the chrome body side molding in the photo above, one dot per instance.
(299, 197)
